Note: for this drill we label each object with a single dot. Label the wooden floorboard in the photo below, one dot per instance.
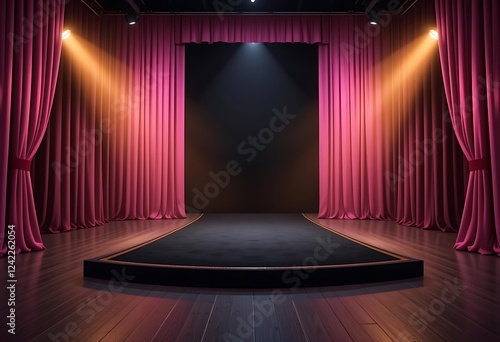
(276, 318)
(318, 320)
(229, 318)
(458, 299)
(153, 302)
(146, 329)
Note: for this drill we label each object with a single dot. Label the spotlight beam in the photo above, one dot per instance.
(401, 75)
(94, 73)
(406, 64)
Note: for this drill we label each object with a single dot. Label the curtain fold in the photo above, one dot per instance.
(68, 175)
(469, 58)
(431, 175)
(308, 29)
(491, 12)
(146, 167)
(32, 54)
(7, 14)
(352, 125)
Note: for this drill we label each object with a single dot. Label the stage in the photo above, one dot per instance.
(253, 251)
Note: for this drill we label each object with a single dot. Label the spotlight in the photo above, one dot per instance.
(373, 18)
(252, 0)
(132, 18)
(66, 34)
(434, 34)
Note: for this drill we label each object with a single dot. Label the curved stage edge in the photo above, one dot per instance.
(262, 276)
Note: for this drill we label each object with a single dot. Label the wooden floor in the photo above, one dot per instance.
(457, 300)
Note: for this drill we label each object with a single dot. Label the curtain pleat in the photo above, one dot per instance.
(387, 148)
(114, 148)
(469, 57)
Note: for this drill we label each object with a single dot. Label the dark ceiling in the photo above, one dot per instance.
(246, 6)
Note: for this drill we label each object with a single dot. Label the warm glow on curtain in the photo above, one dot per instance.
(114, 148)
(387, 149)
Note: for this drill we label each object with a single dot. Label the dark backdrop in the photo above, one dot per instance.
(251, 127)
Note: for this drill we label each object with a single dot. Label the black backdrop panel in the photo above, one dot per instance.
(251, 128)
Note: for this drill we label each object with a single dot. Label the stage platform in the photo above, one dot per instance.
(253, 251)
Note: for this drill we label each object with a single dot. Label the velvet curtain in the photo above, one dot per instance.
(7, 14)
(353, 140)
(252, 28)
(67, 170)
(30, 57)
(387, 150)
(114, 147)
(469, 35)
(431, 173)
(144, 161)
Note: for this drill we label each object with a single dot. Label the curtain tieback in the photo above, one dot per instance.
(479, 164)
(20, 164)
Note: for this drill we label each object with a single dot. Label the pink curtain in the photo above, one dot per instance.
(468, 42)
(387, 150)
(7, 14)
(68, 168)
(353, 145)
(114, 149)
(145, 157)
(252, 28)
(30, 56)
(431, 174)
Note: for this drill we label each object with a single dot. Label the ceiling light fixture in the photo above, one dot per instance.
(131, 18)
(373, 18)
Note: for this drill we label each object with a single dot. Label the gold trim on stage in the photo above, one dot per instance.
(150, 241)
(394, 255)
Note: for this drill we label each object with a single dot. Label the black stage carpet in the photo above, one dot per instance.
(253, 250)
(253, 240)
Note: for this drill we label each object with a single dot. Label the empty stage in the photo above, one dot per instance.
(253, 250)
